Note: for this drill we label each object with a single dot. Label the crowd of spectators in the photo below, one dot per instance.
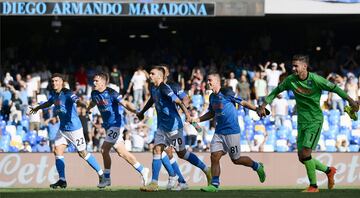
(251, 74)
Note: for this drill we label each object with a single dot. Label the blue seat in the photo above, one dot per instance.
(355, 124)
(13, 149)
(354, 148)
(330, 149)
(31, 137)
(282, 133)
(281, 149)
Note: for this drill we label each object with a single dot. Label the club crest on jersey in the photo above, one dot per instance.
(102, 102)
(310, 83)
(57, 102)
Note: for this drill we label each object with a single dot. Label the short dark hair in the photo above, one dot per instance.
(103, 75)
(302, 58)
(160, 68)
(58, 75)
(215, 74)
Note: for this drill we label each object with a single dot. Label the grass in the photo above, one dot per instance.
(194, 192)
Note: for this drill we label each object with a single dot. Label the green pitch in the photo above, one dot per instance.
(116, 192)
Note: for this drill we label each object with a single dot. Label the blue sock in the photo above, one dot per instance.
(60, 167)
(90, 159)
(177, 171)
(107, 173)
(215, 181)
(166, 162)
(255, 166)
(194, 160)
(156, 166)
(139, 167)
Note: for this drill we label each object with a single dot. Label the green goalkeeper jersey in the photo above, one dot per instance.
(307, 95)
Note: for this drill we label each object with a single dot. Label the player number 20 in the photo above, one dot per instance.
(234, 149)
(112, 134)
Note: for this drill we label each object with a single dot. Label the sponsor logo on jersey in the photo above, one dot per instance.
(302, 90)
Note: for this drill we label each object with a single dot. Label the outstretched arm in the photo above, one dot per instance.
(207, 116)
(128, 106)
(90, 106)
(147, 106)
(248, 105)
(183, 108)
(33, 110)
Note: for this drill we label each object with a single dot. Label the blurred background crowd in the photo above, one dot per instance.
(252, 68)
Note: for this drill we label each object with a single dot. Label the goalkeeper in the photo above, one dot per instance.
(307, 88)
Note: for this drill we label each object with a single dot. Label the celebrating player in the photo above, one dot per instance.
(227, 132)
(107, 101)
(170, 129)
(175, 87)
(70, 128)
(307, 87)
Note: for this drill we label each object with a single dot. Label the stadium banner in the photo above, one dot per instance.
(312, 6)
(180, 8)
(37, 170)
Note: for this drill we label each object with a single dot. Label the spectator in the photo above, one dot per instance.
(232, 82)
(42, 147)
(279, 110)
(26, 147)
(116, 80)
(53, 127)
(81, 79)
(199, 147)
(260, 88)
(137, 83)
(35, 119)
(272, 75)
(342, 145)
(336, 101)
(243, 88)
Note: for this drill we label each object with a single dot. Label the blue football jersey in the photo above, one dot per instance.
(177, 90)
(108, 105)
(222, 104)
(65, 108)
(168, 118)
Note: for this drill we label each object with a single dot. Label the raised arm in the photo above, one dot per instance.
(282, 66)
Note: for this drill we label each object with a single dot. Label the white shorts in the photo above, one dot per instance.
(114, 135)
(174, 138)
(226, 143)
(75, 137)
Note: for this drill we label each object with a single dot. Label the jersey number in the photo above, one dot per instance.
(79, 141)
(234, 149)
(112, 134)
(179, 141)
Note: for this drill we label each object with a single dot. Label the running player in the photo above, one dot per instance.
(107, 101)
(227, 132)
(307, 88)
(175, 87)
(169, 129)
(70, 128)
